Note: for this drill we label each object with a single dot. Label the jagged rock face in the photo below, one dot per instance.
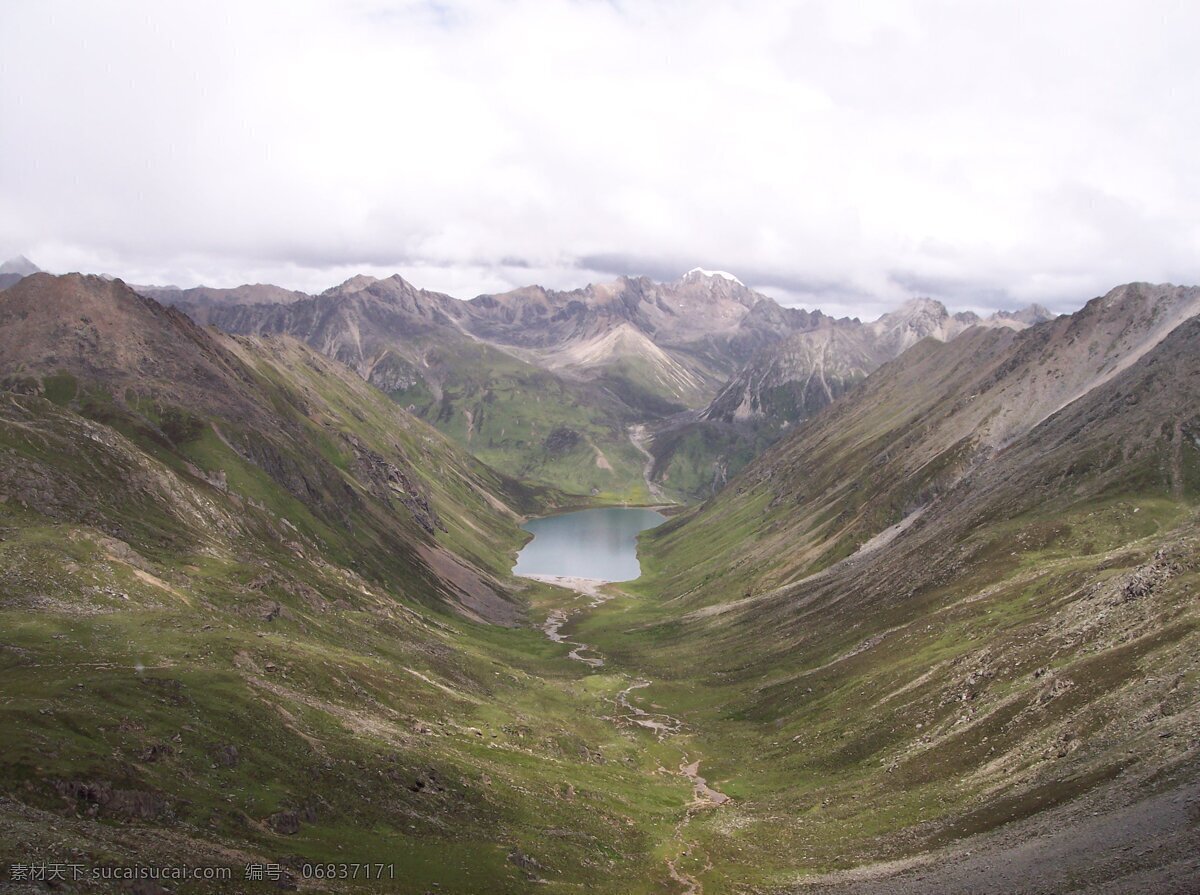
(804, 372)
(798, 377)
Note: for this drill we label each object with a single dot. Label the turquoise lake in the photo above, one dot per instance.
(599, 543)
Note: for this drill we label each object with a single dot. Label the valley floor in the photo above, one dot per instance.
(1137, 835)
(585, 767)
(253, 614)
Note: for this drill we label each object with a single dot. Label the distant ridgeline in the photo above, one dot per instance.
(545, 386)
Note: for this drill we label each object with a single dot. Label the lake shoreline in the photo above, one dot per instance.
(592, 545)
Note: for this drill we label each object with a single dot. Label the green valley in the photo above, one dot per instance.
(255, 614)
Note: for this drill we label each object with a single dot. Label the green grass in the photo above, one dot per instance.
(156, 608)
(503, 411)
(203, 684)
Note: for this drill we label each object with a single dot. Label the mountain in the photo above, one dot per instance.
(254, 612)
(953, 613)
(542, 385)
(151, 372)
(257, 294)
(792, 379)
(19, 265)
(1030, 315)
(942, 636)
(12, 270)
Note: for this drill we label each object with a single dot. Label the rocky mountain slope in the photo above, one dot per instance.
(959, 597)
(787, 382)
(545, 385)
(253, 612)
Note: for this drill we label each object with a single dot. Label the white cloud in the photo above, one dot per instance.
(836, 154)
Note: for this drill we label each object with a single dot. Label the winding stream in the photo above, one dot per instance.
(661, 724)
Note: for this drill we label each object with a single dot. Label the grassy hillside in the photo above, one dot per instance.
(531, 423)
(253, 612)
(242, 610)
(881, 648)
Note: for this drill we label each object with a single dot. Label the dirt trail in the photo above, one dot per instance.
(661, 724)
(691, 885)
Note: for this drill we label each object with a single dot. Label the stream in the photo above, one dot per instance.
(661, 724)
(583, 552)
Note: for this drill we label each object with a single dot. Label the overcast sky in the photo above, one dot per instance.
(833, 154)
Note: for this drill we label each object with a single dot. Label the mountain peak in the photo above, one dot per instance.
(699, 272)
(19, 265)
(355, 283)
(1033, 314)
(920, 307)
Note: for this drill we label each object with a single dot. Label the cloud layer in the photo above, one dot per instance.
(836, 155)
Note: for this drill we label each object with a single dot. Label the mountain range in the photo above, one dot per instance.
(623, 391)
(939, 636)
(547, 385)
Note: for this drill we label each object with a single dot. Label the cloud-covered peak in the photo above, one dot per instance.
(838, 155)
(19, 265)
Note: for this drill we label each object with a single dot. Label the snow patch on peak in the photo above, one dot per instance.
(725, 275)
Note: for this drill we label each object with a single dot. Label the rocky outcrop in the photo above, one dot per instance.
(102, 797)
(388, 481)
(806, 371)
